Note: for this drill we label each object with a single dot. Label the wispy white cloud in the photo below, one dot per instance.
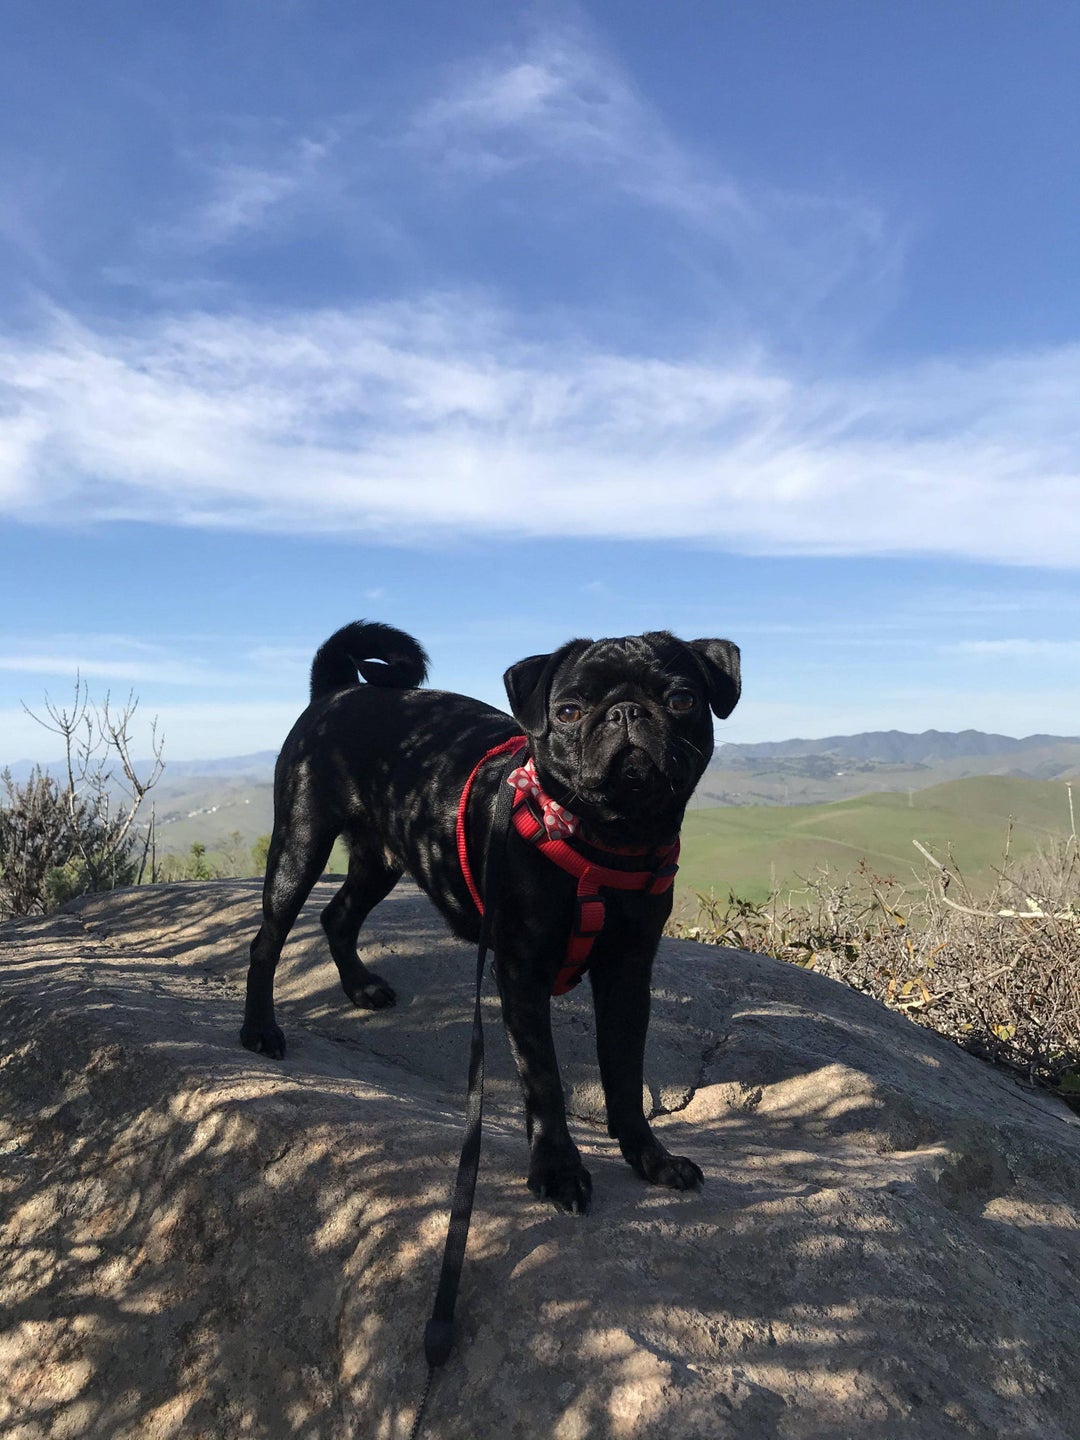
(65, 665)
(966, 603)
(1067, 651)
(412, 421)
(190, 730)
(242, 190)
(243, 195)
(563, 99)
(566, 107)
(185, 662)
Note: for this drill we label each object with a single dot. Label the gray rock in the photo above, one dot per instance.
(198, 1242)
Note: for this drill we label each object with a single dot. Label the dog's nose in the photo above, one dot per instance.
(624, 712)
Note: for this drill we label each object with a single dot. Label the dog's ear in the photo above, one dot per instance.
(719, 663)
(528, 685)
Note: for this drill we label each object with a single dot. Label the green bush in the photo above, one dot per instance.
(55, 845)
(65, 837)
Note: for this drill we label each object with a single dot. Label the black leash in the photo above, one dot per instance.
(439, 1330)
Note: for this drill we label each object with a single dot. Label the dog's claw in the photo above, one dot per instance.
(568, 1188)
(679, 1173)
(373, 994)
(266, 1040)
(675, 1172)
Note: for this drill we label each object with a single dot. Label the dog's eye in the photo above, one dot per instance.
(680, 701)
(568, 714)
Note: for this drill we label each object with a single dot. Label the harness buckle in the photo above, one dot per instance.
(524, 812)
(588, 917)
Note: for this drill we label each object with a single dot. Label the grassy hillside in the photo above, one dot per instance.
(210, 812)
(749, 849)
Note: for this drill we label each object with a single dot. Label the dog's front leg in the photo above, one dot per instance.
(621, 1001)
(555, 1169)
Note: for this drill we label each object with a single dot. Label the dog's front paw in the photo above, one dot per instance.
(564, 1181)
(264, 1039)
(653, 1163)
(371, 993)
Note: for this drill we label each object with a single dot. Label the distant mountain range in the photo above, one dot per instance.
(257, 767)
(839, 767)
(898, 747)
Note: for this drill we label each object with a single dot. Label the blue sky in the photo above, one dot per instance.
(506, 323)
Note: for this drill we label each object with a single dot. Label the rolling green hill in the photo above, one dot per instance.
(749, 849)
(211, 813)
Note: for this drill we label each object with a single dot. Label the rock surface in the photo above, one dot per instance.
(198, 1242)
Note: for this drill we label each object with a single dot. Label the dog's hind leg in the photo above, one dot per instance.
(370, 879)
(297, 857)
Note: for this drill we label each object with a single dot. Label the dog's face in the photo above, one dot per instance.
(621, 729)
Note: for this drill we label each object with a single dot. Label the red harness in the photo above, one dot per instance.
(650, 871)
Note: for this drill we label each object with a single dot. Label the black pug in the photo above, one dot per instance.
(619, 732)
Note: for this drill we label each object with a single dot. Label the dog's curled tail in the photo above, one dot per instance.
(381, 655)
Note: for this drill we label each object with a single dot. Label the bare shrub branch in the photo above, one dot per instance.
(1003, 982)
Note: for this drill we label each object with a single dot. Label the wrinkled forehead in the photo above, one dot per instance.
(647, 660)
